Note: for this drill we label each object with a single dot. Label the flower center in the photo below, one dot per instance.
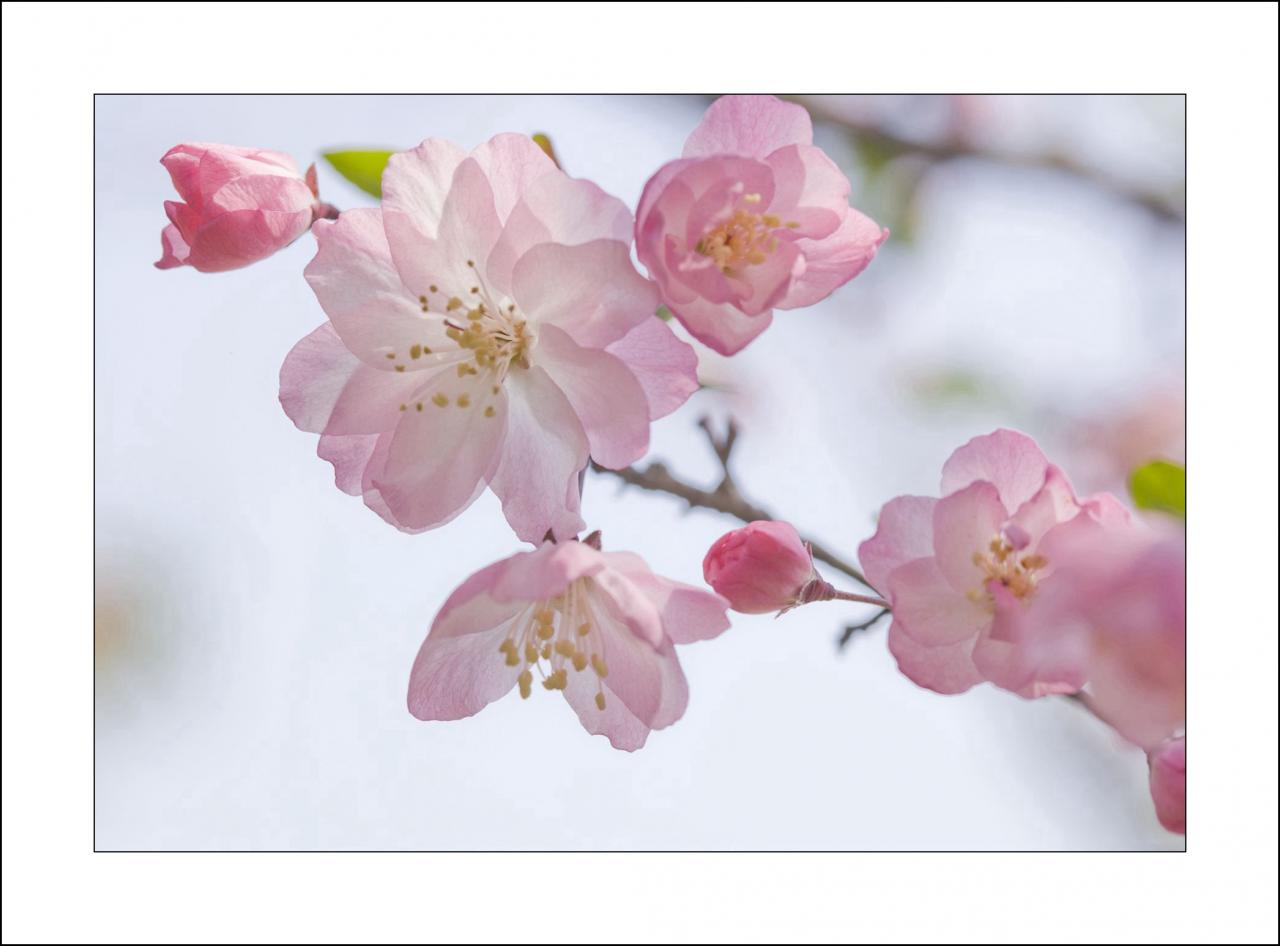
(556, 637)
(1001, 562)
(745, 238)
(491, 338)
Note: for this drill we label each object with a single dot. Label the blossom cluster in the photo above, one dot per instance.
(486, 328)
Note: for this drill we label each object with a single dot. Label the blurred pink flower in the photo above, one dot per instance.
(486, 328)
(759, 568)
(753, 217)
(239, 206)
(1119, 610)
(964, 573)
(597, 626)
(1168, 777)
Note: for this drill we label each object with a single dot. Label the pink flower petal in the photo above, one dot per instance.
(605, 395)
(313, 376)
(722, 328)
(689, 614)
(414, 187)
(964, 525)
(1168, 778)
(665, 366)
(834, 260)
(174, 250)
(1007, 459)
(545, 448)
(904, 533)
(754, 125)
(929, 609)
(948, 669)
(591, 291)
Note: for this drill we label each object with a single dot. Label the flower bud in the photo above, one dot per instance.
(759, 568)
(239, 205)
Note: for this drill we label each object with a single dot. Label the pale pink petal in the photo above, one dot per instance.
(360, 290)
(414, 187)
(903, 533)
(374, 400)
(591, 291)
(313, 376)
(752, 125)
(349, 456)
(1053, 503)
(809, 190)
(948, 669)
(546, 571)
(665, 366)
(834, 260)
(456, 676)
(927, 607)
(689, 614)
(438, 458)
(512, 163)
(606, 396)
(964, 525)
(545, 448)
(635, 674)
(1009, 460)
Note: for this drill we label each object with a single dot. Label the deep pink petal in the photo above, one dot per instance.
(174, 250)
(231, 240)
(1168, 778)
(723, 328)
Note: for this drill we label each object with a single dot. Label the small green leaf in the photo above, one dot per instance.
(543, 141)
(664, 313)
(1161, 486)
(361, 168)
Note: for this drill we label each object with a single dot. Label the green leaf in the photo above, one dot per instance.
(664, 313)
(1161, 486)
(361, 168)
(543, 141)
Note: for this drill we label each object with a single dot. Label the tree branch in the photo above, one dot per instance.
(852, 629)
(1163, 206)
(725, 498)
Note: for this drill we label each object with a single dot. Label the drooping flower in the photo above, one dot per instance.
(598, 627)
(752, 218)
(965, 573)
(239, 205)
(759, 568)
(486, 328)
(1167, 772)
(1118, 609)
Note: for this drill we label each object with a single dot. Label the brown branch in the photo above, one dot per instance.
(725, 498)
(1163, 206)
(851, 629)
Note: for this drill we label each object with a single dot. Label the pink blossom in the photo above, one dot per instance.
(759, 568)
(752, 218)
(486, 328)
(239, 205)
(1118, 608)
(965, 573)
(1167, 765)
(597, 626)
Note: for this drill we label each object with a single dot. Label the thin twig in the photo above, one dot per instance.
(1162, 205)
(852, 629)
(725, 498)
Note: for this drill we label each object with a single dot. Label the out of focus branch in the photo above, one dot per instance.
(851, 630)
(892, 145)
(725, 498)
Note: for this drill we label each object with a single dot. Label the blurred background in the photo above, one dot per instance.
(255, 626)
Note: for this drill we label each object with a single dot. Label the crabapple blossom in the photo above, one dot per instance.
(486, 328)
(964, 573)
(239, 205)
(751, 218)
(759, 568)
(599, 627)
(1118, 609)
